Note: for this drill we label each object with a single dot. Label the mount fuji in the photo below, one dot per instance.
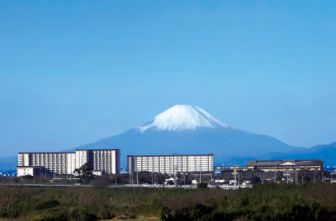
(187, 129)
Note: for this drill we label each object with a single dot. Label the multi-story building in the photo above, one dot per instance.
(170, 164)
(106, 161)
(102, 161)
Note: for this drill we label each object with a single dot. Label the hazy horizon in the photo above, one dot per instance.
(76, 72)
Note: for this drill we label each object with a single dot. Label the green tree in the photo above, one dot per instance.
(85, 173)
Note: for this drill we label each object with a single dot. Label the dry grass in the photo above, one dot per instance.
(139, 218)
(15, 219)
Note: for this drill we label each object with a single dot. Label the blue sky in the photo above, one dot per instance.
(73, 72)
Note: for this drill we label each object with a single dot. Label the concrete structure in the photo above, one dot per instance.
(286, 165)
(170, 164)
(25, 171)
(30, 171)
(106, 161)
(289, 171)
(102, 161)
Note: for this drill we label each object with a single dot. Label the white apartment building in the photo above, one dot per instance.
(102, 161)
(106, 161)
(171, 164)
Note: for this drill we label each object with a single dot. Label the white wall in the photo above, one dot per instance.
(81, 158)
(25, 171)
(71, 162)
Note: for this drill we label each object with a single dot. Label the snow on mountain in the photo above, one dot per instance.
(186, 129)
(182, 117)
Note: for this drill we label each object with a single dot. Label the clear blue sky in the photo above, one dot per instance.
(73, 72)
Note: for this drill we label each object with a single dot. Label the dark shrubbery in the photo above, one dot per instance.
(262, 203)
(100, 182)
(47, 204)
(202, 185)
(50, 214)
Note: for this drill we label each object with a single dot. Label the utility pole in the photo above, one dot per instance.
(130, 177)
(175, 175)
(235, 172)
(314, 177)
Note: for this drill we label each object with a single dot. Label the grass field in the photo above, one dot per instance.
(264, 202)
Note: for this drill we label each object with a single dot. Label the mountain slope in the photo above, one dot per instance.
(326, 153)
(185, 129)
(222, 142)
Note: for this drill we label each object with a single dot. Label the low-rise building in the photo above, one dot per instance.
(30, 171)
(286, 165)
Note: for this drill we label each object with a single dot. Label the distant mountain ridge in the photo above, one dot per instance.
(327, 153)
(184, 129)
(187, 129)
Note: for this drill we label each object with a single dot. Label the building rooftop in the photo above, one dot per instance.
(284, 163)
(170, 155)
(62, 152)
(53, 152)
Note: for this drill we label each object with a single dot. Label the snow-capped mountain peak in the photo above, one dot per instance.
(182, 117)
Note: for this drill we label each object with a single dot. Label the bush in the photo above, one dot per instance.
(197, 212)
(100, 182)
(47, 204)
(81, 214)
(52, 214)
(263, 202)
(202, 185)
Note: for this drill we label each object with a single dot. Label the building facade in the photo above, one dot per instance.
(102, 161)
(170, 164)
(290, 171)
(30, 171)
(105, 161)
(286, 165)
